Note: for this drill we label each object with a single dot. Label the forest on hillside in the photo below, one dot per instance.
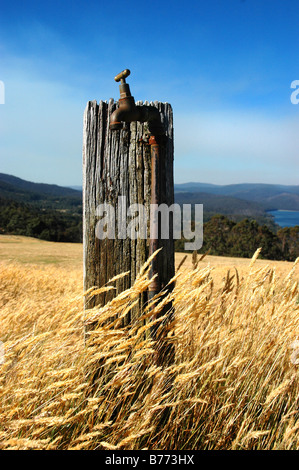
(222, 236)
(61, 225)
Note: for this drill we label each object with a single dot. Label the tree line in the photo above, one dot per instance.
(224, 237)
(221, 235)
(52, 225)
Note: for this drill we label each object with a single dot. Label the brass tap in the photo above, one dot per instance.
(129, 112)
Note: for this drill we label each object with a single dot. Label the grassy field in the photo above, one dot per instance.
(27, 250)
(233, 383)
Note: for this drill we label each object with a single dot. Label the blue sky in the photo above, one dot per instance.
(225, 66)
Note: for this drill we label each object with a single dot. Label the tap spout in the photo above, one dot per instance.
(127, 110)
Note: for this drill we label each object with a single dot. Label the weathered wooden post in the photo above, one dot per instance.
(118, 155)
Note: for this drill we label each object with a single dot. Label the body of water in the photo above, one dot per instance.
(286, 218)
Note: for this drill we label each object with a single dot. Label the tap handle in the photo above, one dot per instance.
(122, 76)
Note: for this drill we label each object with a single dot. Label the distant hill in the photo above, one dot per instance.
(239, 212)
(268, 196)
(261, 197)
(236, 201)
(45, 211)
(13, 184)
(77, 188)
(39, 194)
(221, 204)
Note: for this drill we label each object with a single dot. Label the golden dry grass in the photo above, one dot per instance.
(27, 250)
(233, 384)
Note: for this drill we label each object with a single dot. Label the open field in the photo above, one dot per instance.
(233, 384)
(27, 250)
(33, 251)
